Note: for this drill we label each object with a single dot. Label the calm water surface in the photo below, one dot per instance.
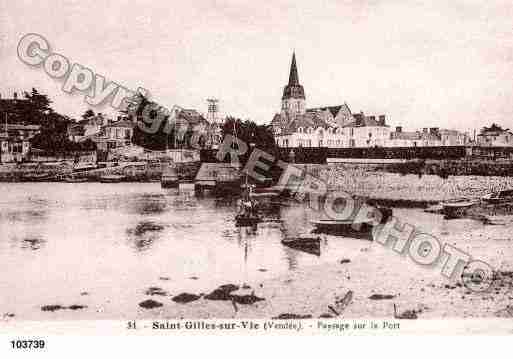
(66, 243)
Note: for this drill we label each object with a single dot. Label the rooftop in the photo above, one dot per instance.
(122, 124)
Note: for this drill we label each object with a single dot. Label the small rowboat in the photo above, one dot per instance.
(36, 177)
(345, 228)
(456, 208)
(112, 178)
(306, 244)
(351, 227)
(499, 197)
(72, 179)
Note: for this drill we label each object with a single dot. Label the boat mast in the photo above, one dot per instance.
(236, 140)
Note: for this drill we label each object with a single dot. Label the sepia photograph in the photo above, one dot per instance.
(238, 167)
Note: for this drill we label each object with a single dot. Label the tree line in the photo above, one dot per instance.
(36, 109)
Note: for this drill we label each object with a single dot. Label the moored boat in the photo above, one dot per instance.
(247, 210)
(36, 177)
(73, 179)
(497, 220)
(346, 228)
(498, 197)
(457, 208)
(309, 244)
(112, 178)
(354, 228)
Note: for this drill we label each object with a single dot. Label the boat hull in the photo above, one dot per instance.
(113, 179)
(352, 229)
(308, 245)
(455, 210)
(36, 178)
(345, 229)
(75, 180)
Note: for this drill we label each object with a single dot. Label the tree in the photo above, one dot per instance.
(88, 114)
(493, 128)
(144, 134)
(40, 102)
(53, 137)
(251, 133)
(254, 136)
(37, 107)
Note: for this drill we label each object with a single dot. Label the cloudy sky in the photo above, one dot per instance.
(423, 63)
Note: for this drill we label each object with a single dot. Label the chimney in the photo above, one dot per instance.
(381, 120)
(399, 129)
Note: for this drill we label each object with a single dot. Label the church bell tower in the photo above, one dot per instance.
(293, 99)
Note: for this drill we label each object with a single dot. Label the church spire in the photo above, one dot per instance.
(293, 99)
(293, 77)
(293, 88)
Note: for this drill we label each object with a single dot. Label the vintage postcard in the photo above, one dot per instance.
(237, 167)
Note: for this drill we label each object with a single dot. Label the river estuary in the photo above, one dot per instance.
(104, 245)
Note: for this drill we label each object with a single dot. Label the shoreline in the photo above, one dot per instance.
(397, 280)
(385, 188)
(318, 291)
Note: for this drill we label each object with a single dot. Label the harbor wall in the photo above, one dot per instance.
(404, 190)
(133, 171)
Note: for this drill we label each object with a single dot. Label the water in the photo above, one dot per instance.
(104, 245)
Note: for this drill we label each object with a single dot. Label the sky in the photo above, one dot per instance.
(431, 63)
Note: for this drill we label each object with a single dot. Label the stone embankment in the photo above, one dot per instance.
(369, 181)
(132, 171)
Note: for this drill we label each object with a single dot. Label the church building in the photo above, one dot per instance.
(330, 126)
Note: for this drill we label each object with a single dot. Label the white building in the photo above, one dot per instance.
(495, 136)
(15, 143)
(427, 137)
(332, 126)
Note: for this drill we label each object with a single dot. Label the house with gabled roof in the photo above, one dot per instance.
(495, 136)
(327, 126)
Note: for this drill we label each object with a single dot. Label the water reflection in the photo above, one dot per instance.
(144, 234)
(32, 243)
(102, 230)
(24, 215)
(291, 257)
(184, 201)
(150, 204)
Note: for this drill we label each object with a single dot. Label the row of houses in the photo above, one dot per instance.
(337, 127)
(365, 131)
(105, 132)
(15, 143)
(109, 134)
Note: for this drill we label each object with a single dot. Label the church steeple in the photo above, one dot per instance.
(293, 77)
(293, 88)
(293, 99)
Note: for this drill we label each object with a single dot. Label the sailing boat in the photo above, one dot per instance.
(247, 211)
